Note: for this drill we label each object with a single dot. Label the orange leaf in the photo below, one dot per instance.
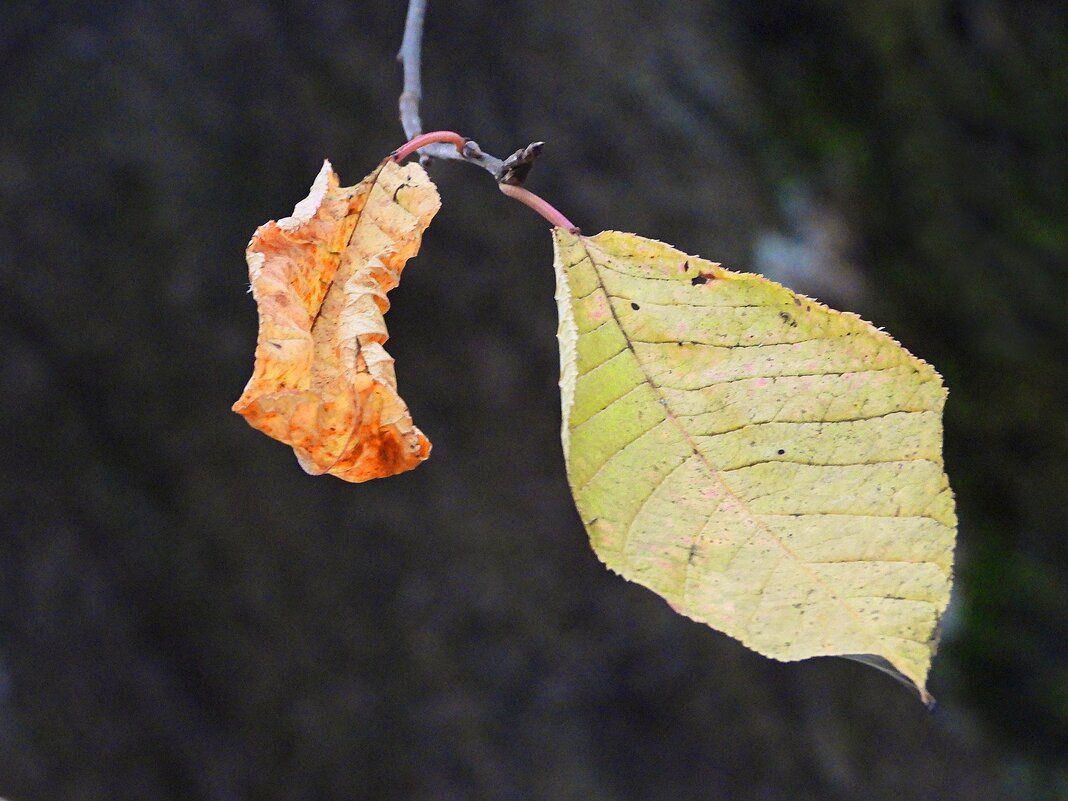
(323, 382)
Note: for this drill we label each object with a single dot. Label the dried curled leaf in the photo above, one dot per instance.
(323, 381)
(768, 465)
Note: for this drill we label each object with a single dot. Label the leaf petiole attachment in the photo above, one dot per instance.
(543, 207)
(510, 173)
(422, 140)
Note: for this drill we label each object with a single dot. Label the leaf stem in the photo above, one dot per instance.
(543, 207)
(416, 142)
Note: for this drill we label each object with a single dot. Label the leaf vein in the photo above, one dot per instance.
(645, 502)
(776, 376)
(827, 464)
(589, 480)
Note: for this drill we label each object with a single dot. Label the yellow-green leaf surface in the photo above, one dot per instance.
(768, 465)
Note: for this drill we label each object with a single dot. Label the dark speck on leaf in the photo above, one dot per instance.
(685, 266)
(635, 306)
(699, 279)
(781, 451)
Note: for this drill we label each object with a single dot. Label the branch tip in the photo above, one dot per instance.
(516, 167)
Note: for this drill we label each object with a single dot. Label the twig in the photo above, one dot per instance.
(411, 61)
(422, 140)
(509, 173)
(410, 57)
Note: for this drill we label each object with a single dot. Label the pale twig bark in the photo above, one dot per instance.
(410, 57)
(508, 172)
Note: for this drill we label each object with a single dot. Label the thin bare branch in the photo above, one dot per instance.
(509, 173)
(410, 57)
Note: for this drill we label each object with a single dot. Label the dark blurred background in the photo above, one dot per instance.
(184, 614)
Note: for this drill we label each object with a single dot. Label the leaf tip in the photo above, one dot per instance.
(306, 208)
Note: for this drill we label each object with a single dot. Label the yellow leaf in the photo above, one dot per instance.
(323, 382)
(768, 465)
